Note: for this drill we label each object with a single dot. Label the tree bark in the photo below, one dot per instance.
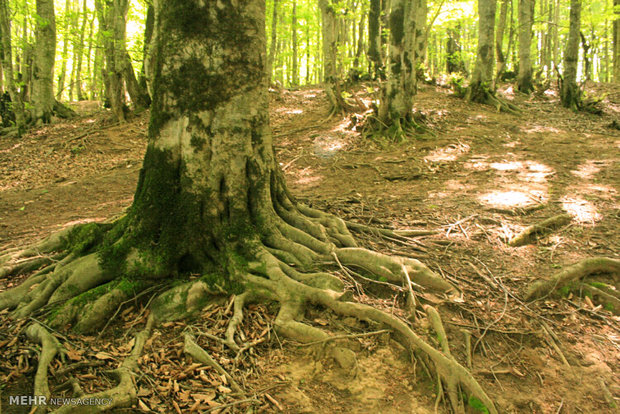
(43, 73)
(525, 83)
(570, 94)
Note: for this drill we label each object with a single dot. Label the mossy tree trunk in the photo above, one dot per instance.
(45, 53)
(525, 83)
(570, 94)
(209, 170)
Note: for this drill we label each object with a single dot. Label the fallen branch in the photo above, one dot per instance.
(200, 355)
(542, 288)
(532, 232)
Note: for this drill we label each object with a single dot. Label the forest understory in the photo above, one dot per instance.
(465, 190)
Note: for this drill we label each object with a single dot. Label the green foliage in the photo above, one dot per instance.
(477, 405)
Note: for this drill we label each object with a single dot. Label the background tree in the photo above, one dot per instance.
(616, 41)
(570, 94)
(396, 106)
(526, 19)
(45, 53)
(17, 105)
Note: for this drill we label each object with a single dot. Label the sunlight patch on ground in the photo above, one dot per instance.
(582, 210)
(528, 171)
(289, 111)
(511, 199)
(447, 153)
(506, 165)
(327, 146)
(590, 168)
(84, 221)
(308, 177)
(541, 128)
(343, 127)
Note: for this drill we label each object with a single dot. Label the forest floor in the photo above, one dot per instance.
(476, 177)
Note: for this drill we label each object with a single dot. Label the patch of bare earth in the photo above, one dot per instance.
(474, 180)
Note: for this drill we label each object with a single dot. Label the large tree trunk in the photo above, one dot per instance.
(45, 53)
(526, 19)
(482, 77)
(17, 105)
(570, 93)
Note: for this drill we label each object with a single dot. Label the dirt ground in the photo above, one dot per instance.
(474, 177)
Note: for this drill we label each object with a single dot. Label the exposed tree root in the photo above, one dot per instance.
(481, 94)
(49, 348)
(396, 130)
(542, 288)
(200, 355)
(281, 267)
(532, 232)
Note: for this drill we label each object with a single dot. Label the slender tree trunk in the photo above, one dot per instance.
(80, 53)
(65, 49)
(570, 94)
(330, 56)
(482, 76)
(454, 58)
(43, 85)
(616, 42)
(499, 39)
(555, 34)
(7, 65)
(587, 59)
(374, 38)
(295, 65)
(145, 71)
(525, 83)
(273, 44)
(308, 66)
(421, 35)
